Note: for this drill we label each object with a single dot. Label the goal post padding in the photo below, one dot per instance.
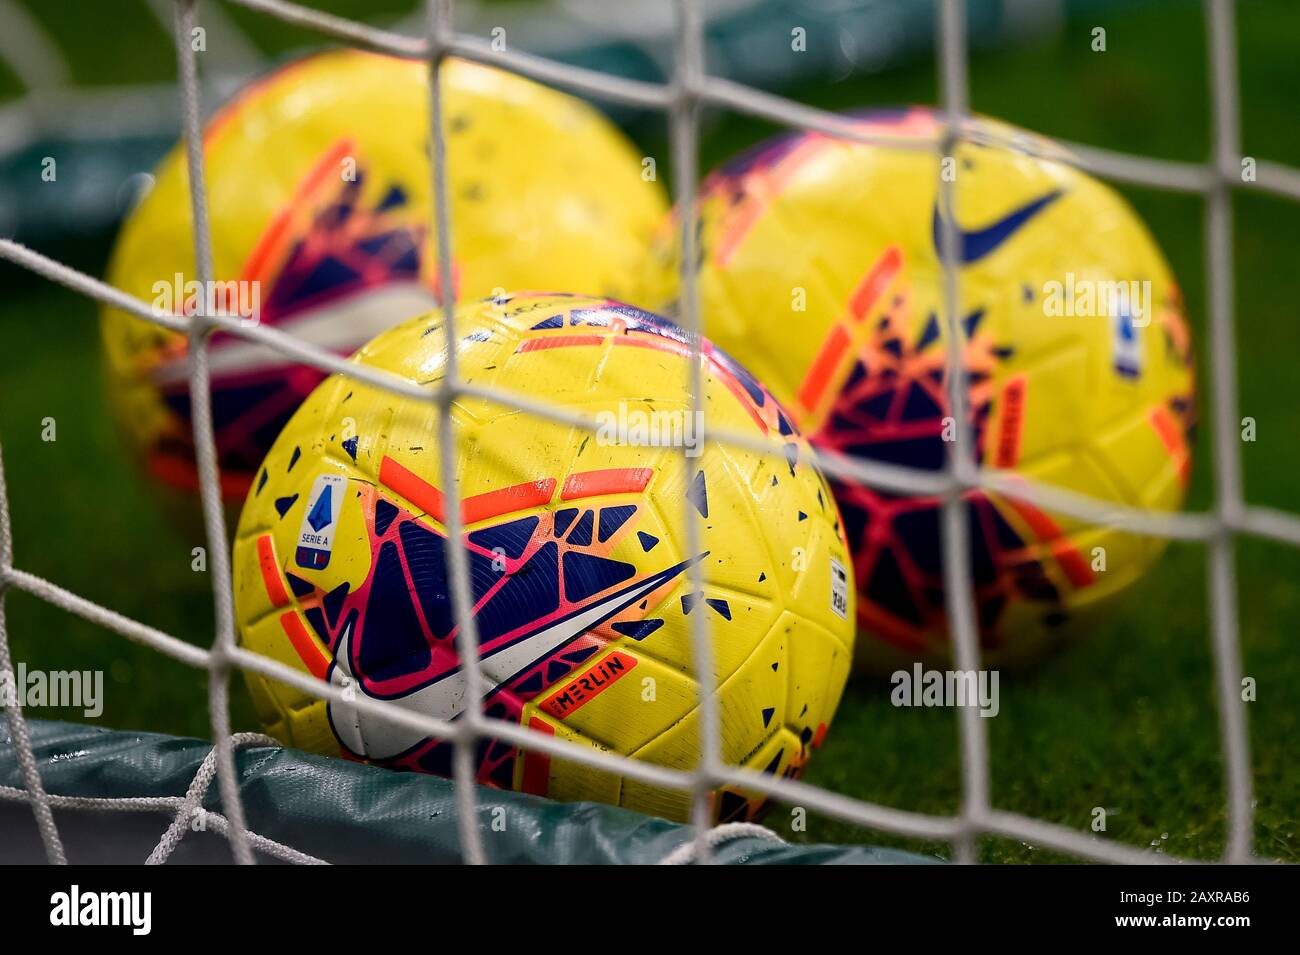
(115, 793)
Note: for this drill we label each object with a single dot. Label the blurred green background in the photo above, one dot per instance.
(1125, 721)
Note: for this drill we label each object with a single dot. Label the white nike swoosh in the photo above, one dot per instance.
(375, 738)
(341, 326)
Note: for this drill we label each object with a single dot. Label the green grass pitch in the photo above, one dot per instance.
(1124, 721)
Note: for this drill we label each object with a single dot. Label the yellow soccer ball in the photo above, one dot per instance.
(820, 271)
(578, 559)
(319, 188)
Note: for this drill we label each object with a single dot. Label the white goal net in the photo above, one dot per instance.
(681, 100)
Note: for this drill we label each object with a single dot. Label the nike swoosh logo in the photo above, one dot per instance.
(369, 736)
(974, 244)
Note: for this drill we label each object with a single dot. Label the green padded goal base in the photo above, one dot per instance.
(115, 793)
